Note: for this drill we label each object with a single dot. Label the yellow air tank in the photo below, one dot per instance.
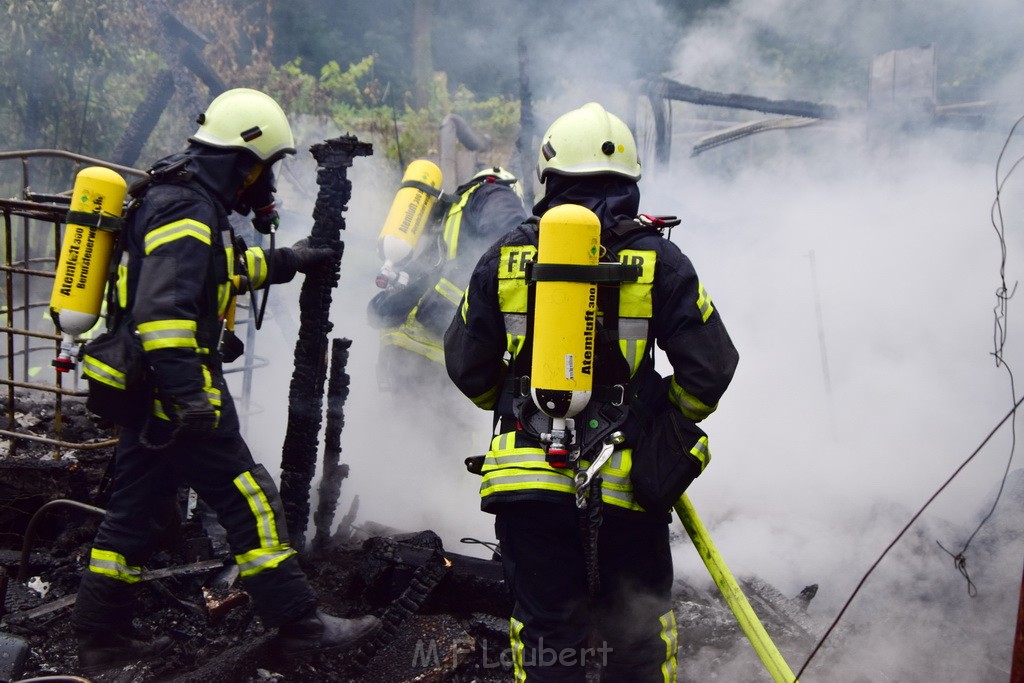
(407, 219)
(564, 317)
(89, 237)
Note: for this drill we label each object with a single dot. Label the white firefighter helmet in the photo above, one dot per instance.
(587, 141)
(248, 119)
(499, 173)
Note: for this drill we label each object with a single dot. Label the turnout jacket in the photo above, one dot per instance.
(180, 260)
(667, 306)
(482, 212)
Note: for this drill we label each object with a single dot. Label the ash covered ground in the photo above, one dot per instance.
(445, 614)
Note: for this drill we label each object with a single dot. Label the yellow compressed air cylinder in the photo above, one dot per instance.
(408, 217)
(97, 201)
(565, 314)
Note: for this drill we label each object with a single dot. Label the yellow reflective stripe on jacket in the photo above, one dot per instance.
(515, 631)
(109, 563)
(256, 264)
(453, 222)
(633, 335)
(512, 291)
(669, 636)
(176, 230)
(688, 404)
(272, 551)
(168, 334)
(414, 337)
(261, 559)
(122, 281)
(225, 291)
(635, 300)
(636, 306)
(449, 290)
(704, 303)
(515, 332)
(510, 468)
(213, 395)
(487, 399)
(636, 303)
(701, 451)
(101, 372)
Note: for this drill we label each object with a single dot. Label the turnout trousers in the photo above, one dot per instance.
(557, 631)
(220, 469)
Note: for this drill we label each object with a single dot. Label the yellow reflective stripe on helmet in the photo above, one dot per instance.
(449, 290)
(516, 640)
(669, 636)
(261, 559)
(176, 230)
(704, 303)
(166, 334)
(256, 263)
(688, 404)
(101, 372)
(109, 563)
(701, 451)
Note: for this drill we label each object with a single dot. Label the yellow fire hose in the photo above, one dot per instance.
(734, 597)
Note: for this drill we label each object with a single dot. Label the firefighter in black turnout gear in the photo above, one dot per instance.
(174, 290)
(592, 576)
(413, 318)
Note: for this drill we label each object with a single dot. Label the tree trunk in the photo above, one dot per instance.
(422, 59)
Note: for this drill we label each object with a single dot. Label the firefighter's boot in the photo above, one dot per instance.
(101, 650)
(319, 631)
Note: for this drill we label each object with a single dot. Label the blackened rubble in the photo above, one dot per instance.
(445, 613)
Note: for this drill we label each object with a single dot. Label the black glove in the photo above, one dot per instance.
(195, 414)
(313, 259)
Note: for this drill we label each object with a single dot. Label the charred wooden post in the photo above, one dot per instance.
(333, 473)
(306, 392)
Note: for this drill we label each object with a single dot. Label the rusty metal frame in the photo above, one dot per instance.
(35, 213)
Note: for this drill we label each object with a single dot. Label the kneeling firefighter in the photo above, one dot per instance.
(413, 314)
(581, 496)
(180, 263)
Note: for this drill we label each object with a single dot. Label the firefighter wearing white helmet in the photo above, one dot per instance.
(246, 119)
(174, 293)
(588, 141)
(584, 529)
